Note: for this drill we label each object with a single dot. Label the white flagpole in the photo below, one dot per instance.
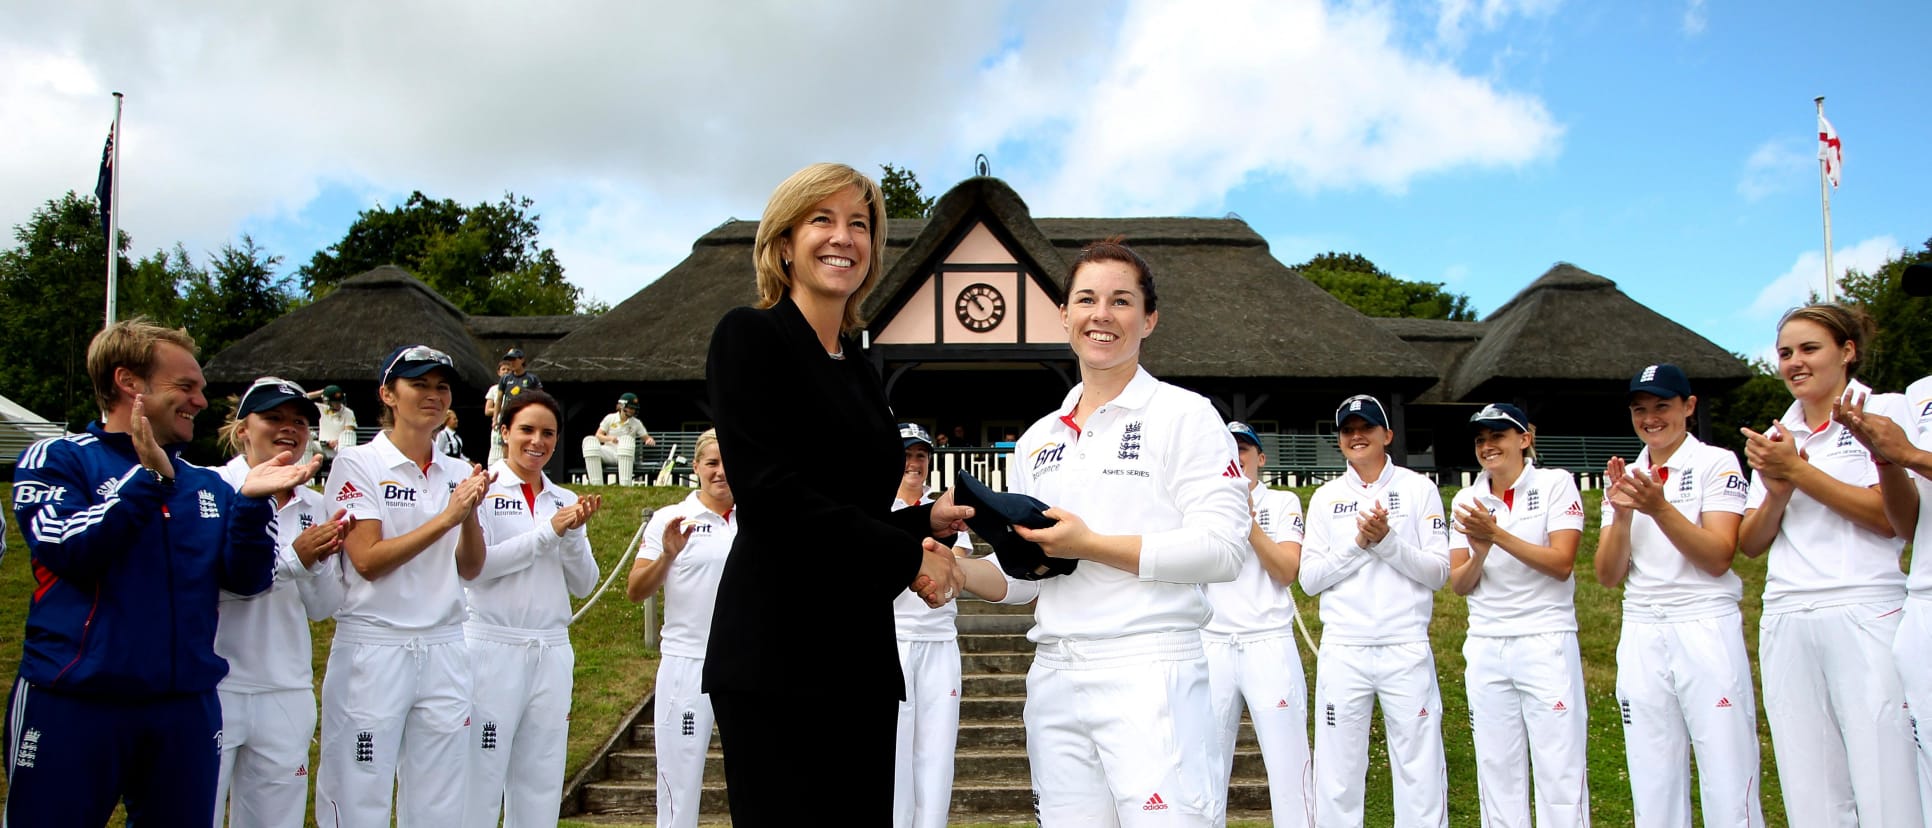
(114, 213)
(1824, 193)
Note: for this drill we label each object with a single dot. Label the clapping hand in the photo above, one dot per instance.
(318, 542)
(1774, 457)
(278, 474)
(1370, 529)
(576, 514)
(468, 494)
(1475, 522)
(145, 446)
(1637, 491)
(1881, 435)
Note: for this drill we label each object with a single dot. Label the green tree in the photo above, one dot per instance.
(53, 297)
(1760, 400)
(1900, 351)
(485, 258)
(1352, 278)
(235, 296)
(903, 198)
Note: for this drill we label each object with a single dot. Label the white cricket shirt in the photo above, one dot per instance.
(1511, 598)
(1158, 462)
(1818, 558)
(332, 424)
(1663, 584)
(376, 482)
(530, 571)
(691, 587)
(1254, 602)
(632, 426)
(1383, 594)
(265, 636)
(1918, 396)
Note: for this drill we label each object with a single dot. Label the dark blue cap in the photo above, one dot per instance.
(1243, 431)
(1501, 416)
(270, 392)
(414, 361)
(1663, 379)
(1365, 406)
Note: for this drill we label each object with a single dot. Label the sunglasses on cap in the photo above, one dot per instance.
(1496, 414)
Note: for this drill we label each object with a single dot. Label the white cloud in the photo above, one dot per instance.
(1695, 20)
(636, 127)
(1775, 166)
(1189, 106)
(1456, 18)
(1807, 275)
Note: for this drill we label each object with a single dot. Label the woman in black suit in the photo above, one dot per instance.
(815, 458)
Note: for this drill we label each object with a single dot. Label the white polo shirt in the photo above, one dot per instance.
(529, 571)
(1512, 598)
(1818, 558)
(917, 622)
(616, 425)
(1383, 594)
(376, 482)
(265, 636)
(1158, 462)
(691, 587)
(1254, 604)
(1663, 585)
(1918, 396)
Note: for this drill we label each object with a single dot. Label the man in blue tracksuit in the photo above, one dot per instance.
(129, 544)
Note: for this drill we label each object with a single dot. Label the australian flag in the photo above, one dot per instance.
(104, 186)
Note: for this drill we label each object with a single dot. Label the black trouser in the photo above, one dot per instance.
(777, 757)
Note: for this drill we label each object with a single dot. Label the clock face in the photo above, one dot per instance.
(980, 307)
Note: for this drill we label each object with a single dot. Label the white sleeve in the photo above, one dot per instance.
(1018, 591)
(1210, 545)
(508, 550)
(322, 592)
(1565, 503)
(1426, 559)
(1289, 527)
(1725, 486)
(1458, 540)
(1326, 561)
(579, 566)
(1918, 398)
(1754, 497)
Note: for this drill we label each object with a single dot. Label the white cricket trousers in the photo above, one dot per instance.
(1264, 674)
(521, 724)
(622, 457)
(1530, 719)
(682, 718)
(395, 717)
(1838, 720)
(922, 779)
(1912, 653)
(1684, 684)
(264, 774)
(1120, 732)
(1349, 679)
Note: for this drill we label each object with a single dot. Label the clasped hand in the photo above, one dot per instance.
(1632, 490)
(1371, 528)
(939, 574)
(576, 514)
(1774, 456)
(1880, 435)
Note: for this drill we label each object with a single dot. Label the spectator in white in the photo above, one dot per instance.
(519, 624)
(1833, 590)
(336, 430)
(1669, 536)
(1376, 552)
(491, 399)
(685, 546)
(1143, 480)
(396, 697)
(1512, 549)
(616, 443)
(922, 794)
(1904, 460)
(1250, 643)
(268, 696)
(448, 442)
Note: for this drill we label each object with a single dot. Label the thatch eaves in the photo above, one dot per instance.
(534, 334)
(345, 335)
(1443, 342)
(1572, 326)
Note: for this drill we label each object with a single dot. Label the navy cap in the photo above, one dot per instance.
(994, 516)
(270, 392)
(1663, 379)
(1500, 416)
(513, 353)
(914, 434)
(1365, 406)
(414, 361)
(1243, 431)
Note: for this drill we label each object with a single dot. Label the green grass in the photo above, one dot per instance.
(614, 671)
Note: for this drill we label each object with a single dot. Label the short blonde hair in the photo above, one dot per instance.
(708, 438)
(789, 204)
(128, 344)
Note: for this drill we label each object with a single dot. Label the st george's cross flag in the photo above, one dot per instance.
(1829, 150)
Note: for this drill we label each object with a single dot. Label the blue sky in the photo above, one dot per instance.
(1666, 144)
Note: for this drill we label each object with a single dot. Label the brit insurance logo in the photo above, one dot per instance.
(1047, 458)
(395, 495)
(503, 505)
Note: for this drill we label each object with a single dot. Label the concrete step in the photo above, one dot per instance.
(993, 623)
(1003, 642)
(1010, 765)
(993, 684)
(1009, 663)
(643, 738)
(641, 766)
(640, 797)
(977, 735)
(992, 708)
(990, 801)
(977, 607)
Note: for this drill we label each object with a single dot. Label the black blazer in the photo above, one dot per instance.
(814, 458)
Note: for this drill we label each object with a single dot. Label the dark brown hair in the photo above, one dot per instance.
(1844, 323)
(1115, 249)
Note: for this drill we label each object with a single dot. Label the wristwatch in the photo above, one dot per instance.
(165, 480)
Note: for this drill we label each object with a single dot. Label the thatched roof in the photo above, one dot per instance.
(344, 335)
(1572, 325)
(1215, 276)
(1442, 342)
(534, 334)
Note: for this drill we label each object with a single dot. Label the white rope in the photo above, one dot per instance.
(1302, 626)
(616, 567)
